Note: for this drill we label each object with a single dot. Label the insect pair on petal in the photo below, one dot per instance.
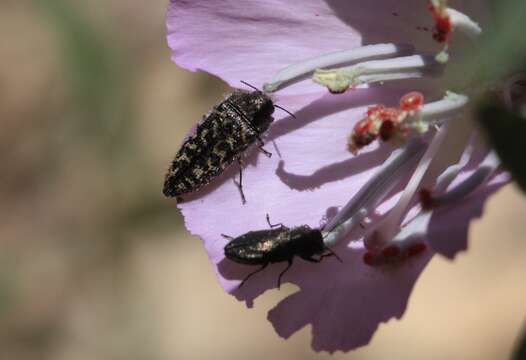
(363, 203)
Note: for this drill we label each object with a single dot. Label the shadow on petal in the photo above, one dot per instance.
(345, 304)
(380, 21)
(331, 104)
(332, 172)
(449, 226)
(259, 283)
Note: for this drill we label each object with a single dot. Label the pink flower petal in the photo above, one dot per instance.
(253, 39)
(311, 172)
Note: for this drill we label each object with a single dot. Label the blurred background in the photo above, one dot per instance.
(95, 263)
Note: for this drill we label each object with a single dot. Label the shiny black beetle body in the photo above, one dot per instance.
(275, 245)
(223, 136)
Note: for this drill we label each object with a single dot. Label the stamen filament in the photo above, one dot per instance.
(332, 238)
(438, 112)
(409, 241)
(307, 66)
(450, 104)
(446, 21)
(488, 166)
(340, 79)
(374, 191)
(447, 177)
(391, 224)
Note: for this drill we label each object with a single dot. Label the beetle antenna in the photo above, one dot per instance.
(288, 112)
(333, 254)
(249, 85)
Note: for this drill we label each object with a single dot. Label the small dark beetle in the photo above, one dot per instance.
(277, 244)
(220, 138)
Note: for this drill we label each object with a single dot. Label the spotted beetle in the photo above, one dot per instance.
(277, 244)
(223, 136)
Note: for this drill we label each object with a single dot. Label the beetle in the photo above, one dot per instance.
(277, 244)
(222, 137)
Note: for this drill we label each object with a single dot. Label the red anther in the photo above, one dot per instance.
(426, 199)
(442, 29)
(358, 141)
(363, 126)
(374, 109)
(416, 249)
(387, 130)
(368, 258)
(411, 101)
(364, 139)
(367, 130)
(391, 251)
(361, 135)
(389, 114)
(443, 26)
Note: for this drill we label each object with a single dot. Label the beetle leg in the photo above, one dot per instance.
(331, 253)
(260, 147)
(240, 183)
(283, 272)
(311, 259)
(273, 225)
(228, 237)
(252, 273)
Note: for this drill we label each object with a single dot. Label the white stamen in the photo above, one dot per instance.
(463, 23)
(374, 191)
(390, 226)
(458, 20)
(436, 113)
(340, 79)
(332, 238)
(307, 66)
(450, 104)
(447, 177)
(375, 78)
(414, 232)
(488, 166)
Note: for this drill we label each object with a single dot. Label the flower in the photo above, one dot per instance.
(279, 45)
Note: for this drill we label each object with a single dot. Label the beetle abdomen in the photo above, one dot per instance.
(223, 135)
(257, 247)
(206, 154)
